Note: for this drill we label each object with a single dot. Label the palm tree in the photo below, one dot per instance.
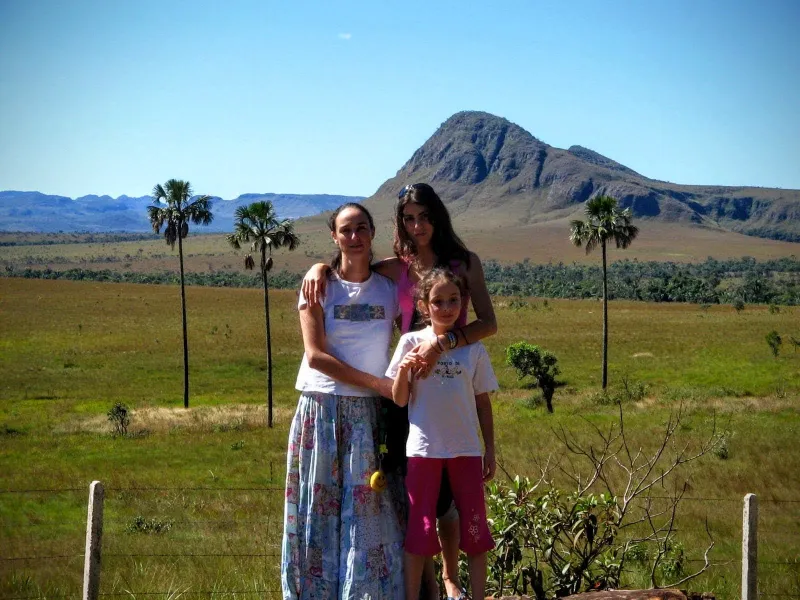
(604, 221)
(259, 226)
(172, 209)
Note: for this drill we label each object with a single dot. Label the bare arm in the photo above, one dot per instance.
(486, 421)
(316, 278)
(483, 326)
(401, 388)
(389, 267)
(314, 282)
(312, 326)
(485, 323)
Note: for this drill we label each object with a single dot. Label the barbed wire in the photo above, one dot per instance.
(130, 593)
(182, 555)
(54, 557)
(151, 489)
(281, 489)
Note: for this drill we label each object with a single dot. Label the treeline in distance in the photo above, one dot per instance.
(734, 281)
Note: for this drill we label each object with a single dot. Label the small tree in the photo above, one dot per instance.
(532, 361)
(119, 418)
(774, 341)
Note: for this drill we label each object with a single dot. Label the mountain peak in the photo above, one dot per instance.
(471, 146)
(598, 159)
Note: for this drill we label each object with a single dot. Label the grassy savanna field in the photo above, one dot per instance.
(210, 478)
(540, 242)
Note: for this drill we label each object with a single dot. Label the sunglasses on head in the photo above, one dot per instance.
(410, 187)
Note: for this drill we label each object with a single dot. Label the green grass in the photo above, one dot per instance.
(69, 350)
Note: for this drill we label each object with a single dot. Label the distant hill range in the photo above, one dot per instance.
(491, 172)
(37, 212)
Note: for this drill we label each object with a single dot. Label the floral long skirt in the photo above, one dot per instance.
(341, 539)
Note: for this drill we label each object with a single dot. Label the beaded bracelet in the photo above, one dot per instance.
(452, 339)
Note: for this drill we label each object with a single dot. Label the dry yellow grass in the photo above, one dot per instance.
(546, 242)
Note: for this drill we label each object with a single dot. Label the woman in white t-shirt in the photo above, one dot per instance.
(341, 538)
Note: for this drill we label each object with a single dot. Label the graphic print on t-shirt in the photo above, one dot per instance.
(359, 312)
(447, 368)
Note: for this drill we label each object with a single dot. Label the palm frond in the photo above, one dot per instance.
(258, 224)
(604, 222)
(157, 217)
(158, 193)
(199, 211)
(592, 242)
(577, 232)
(233, 240)
(178, 192)
(171, 233)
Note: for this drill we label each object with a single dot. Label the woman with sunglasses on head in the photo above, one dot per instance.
(424, 239)
(342, 539)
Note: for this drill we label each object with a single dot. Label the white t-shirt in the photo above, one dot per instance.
(358, 320)
(443, 420)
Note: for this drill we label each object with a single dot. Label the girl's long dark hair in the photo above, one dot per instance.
(446, 245)
(336, 261)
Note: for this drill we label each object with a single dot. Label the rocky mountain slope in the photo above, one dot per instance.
(491, 172)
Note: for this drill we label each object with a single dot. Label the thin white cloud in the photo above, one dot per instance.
(345, 36)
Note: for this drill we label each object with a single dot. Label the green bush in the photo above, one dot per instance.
(774, 342)
(532, 361)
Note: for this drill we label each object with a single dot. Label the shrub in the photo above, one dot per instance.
(774, 342)
(531, 361)
(141, 525)
(119, 418)
(551, 543)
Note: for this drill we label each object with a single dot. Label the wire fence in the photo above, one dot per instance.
(226, 542)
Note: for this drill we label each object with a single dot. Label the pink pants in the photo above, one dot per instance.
(466, 480)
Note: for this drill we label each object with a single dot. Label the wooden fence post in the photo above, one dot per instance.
(750, 548)
(94, 538)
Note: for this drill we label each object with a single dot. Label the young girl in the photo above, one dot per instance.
(445, 412)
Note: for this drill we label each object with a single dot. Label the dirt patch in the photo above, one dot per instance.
(202, 418)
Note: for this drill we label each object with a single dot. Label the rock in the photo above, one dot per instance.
(630, 595)
(623, 595)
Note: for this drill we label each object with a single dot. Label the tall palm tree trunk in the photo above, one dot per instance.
(605, 318)
(269, 338)
(185, 334)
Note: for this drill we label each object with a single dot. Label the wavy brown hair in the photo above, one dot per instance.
(446, 245)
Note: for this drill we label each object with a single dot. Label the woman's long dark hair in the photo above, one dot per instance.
(446, 245)
(336, 261)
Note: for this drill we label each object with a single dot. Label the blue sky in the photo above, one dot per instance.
(111, 96)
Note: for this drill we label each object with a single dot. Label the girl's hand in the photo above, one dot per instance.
(411, 361)
(313, 286)
(489, 464)
(429, 353)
